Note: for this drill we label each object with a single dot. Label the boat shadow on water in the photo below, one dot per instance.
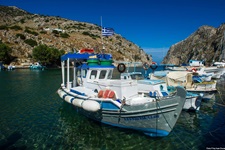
(99, 135)
(83, 125)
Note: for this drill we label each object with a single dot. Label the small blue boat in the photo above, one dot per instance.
(37, 66)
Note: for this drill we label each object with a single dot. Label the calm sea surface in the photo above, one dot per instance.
(32, 116)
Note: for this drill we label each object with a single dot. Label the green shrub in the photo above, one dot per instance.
(31, 32)
(21, 36)
(43, 32)
(15, 27)
(64, 35)
(22, 21)
(93, 36)
(31, 42)
(86, 33)
(3, 27)
(5, 53)
(47, 54)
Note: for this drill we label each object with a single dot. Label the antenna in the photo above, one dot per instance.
(103, 47)
(223, 46)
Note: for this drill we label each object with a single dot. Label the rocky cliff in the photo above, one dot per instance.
(22, 31)
(207, 43)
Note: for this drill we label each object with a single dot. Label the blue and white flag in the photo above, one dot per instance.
(107, 31)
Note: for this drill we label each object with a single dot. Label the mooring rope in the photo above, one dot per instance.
(220, 96)
(171, 127)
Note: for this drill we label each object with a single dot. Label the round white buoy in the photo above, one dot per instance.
(90, 105)
(77, 102)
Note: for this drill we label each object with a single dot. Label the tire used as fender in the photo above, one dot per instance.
(145, 66)
(153, 66)
(121, 67)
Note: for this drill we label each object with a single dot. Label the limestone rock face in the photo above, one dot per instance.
(19, 29)
(207, 43)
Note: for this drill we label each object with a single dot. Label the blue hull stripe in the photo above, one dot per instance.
(148, 131)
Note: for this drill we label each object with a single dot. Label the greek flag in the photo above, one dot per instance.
(107, 31)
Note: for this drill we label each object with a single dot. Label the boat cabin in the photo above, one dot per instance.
(132, 76)
(196, 63)
(94, 72)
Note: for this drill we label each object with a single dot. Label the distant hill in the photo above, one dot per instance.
(207, 43)
(22, 31)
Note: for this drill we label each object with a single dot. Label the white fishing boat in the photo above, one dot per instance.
(177, 68)
(185, 79)
(116, 102)
(222, 64)
(217, 71)
(159, 88)
(214, 72)
(196, 63)
(193, 100)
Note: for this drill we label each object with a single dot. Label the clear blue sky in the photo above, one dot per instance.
(154, 25)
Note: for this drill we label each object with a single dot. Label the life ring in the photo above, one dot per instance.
(194, 70)
(145, 66)
(121, 67)
(153, 66)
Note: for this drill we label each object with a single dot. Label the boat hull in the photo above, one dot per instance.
(154, 119)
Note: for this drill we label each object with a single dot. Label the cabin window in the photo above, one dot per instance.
(83, 73)
(109, 74)
(102, 74)
(93, 74)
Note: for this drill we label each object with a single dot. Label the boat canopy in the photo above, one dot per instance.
(85, 56)
(99, 66)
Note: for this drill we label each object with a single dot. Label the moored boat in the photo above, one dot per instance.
(186, 79)
(37, 66)
(2, 67)
(116, 102)
(159, 88)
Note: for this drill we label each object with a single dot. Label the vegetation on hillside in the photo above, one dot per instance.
(47, 55)
(5, 53)
(30, 42)
(23, 32)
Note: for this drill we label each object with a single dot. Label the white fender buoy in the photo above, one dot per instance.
(61, 93)
(68, 99)
(90, 105)
(77, 102)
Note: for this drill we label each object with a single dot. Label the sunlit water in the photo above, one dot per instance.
(32, 116)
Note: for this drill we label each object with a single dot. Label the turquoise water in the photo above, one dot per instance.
(34, 117)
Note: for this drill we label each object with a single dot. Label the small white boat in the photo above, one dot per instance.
(37, 66)
(11, 67)
(196, 63)
(216, 71)
(193, 101)
(219, 64)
